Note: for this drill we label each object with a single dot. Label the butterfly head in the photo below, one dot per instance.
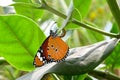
(55, 33)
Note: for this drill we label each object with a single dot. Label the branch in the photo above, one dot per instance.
(105, 75)
(47, 7)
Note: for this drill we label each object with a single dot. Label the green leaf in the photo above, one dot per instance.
(76, 14)
(27, 1)
(80, 11)
(72, 26)
(28, 9)
(115, 28)
(114, 59)
(80, 77)
(20, 39)
(84, 36)
(83, 6)
(93, 37)
(90, 35)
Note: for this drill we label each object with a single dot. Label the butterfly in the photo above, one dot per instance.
(53, 49)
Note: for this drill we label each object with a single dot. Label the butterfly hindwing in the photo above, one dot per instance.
(38, 61)
(53, 49)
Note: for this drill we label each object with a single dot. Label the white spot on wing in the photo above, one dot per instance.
(39, 54)
(41, 51)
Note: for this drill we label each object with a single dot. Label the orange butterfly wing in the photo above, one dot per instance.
(54, 49)
(38, 61)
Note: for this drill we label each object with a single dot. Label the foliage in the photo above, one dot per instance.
(17, 41)
(22, 32)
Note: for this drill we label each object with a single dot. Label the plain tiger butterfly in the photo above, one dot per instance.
(53, 49)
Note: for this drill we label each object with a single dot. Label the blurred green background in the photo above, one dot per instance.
(98, 14)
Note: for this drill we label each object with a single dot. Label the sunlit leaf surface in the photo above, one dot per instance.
(20, 39)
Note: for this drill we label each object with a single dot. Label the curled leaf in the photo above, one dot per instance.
(80, 60)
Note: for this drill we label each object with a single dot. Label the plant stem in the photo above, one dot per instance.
(105, 75)
(94, 29)
(47, 7)
(115, 10)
